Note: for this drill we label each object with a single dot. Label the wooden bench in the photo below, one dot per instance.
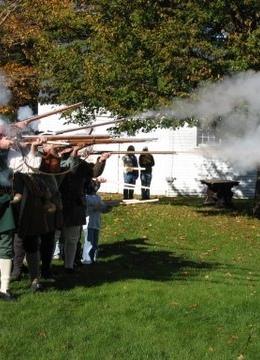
(219, 192)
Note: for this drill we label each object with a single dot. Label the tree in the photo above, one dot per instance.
(26, 32)
(129, 57)
(139, 55)
(18, 34)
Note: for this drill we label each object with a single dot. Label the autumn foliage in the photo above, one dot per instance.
(123, 56)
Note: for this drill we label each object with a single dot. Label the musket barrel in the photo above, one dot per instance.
(135, 152)
(111, 122)
(40, 116)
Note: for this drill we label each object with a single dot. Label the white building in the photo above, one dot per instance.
(173, 174)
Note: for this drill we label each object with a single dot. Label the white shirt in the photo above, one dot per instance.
(23, 164)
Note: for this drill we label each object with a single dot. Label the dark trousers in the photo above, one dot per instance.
(30, 245)
(47, 246)
(146, 179)
(93, 236)
(19, 254)
(129, 179)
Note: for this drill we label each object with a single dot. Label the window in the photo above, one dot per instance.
(208, 136)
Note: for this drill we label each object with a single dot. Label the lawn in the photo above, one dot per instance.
(175, 280)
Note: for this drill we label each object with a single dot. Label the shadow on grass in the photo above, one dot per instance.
(130, 259)
(239, 206)
(243, 207)
(181, 201)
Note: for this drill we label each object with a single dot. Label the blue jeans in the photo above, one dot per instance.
(146, 179)
(93, 236)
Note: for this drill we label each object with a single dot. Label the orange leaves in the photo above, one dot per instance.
(5, 110)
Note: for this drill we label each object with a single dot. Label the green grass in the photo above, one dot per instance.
(175, 280)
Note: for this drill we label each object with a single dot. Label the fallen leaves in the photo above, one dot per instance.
(193, 306)
(42, 334)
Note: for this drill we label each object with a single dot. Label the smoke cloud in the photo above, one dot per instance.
(233, 105)
(24, 112)
(5, 93)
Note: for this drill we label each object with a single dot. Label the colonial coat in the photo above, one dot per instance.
(72, 189)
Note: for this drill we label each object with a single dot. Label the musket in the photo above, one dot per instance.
(134, 152)
(89, 126)
(68, 137)
(41, 116)
(86, 139)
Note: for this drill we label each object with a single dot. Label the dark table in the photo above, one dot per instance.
(219, 192)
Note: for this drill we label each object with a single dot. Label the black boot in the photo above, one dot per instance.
(143, 194)
(126, 194)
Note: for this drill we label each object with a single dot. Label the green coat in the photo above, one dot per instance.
(7, 218)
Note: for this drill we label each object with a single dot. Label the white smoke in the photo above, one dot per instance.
(24, 112)
(3, 126)
(243, 152)
(5, 93)
(236, 101)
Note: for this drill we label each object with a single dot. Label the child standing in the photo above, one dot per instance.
(95, 206)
